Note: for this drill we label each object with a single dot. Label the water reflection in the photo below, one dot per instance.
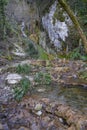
(75, 96)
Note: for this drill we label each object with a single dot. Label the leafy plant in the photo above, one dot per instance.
(42, 54)
(22, 89)
(83, 75)
(42, 78)
(25, 69)
(76, 55)
(31, 50)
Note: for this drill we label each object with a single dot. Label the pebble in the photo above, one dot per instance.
(74, 76)
(41, 90)
(61, 120)
(38, 107)
(39, 113)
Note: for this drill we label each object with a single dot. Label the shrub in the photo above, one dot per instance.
(42, 78)
(22, 89)
(25, 69)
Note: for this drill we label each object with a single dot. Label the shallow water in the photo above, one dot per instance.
(74, 96)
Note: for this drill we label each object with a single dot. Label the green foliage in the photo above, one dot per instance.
(83, 19)
(42, 53)
(80, 9)
(79, 6)
(3, 3)
(23, 69)
(76, 55)
(31, 50)
(22, 89)
(42, 78)
(43, 5)
(58, 14)
(83, 75)
(35, 51)
(73, 55)
(25, 85)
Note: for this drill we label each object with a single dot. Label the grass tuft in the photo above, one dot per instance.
(42, 78)
(23, 87)
(23, 69)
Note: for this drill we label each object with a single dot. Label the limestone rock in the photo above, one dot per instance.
(41, 90)
(38, 107)
(13, 78)
(18, 51)
(39, 113)
(57, 31)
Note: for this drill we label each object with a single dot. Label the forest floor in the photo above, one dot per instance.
(59, 103)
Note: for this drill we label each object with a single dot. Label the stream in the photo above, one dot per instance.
(24, 116)
(74, 96)
(60, 105)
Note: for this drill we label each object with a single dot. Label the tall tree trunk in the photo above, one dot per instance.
(75, 21)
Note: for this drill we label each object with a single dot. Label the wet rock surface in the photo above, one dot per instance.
(61, 105)
(54, 116)
(13, 78)
(38, 110)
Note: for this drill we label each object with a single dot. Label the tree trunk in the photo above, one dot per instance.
(75, 21)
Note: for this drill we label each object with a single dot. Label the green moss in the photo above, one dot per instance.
(9, 57)
(44, 5)
(42, 78)
(83, 75)
(32, 50)
(42, 54)
(58, 14)
(23, 69)
(22, 88)
(75, 54)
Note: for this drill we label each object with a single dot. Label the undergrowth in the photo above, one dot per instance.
(42, 78)
(74, 55)
(31, 50)
(25, 85)
(77, 55)
(23, 69)
(22, 88)
(83, 75)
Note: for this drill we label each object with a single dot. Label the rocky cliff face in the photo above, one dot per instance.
(23, 11)
(50, 15)
(57, 28)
